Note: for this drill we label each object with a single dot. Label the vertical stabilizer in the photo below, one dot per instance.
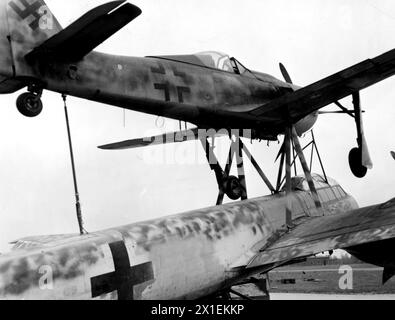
(5, 46)
(30, 23)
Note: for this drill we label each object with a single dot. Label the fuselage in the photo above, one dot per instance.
(187, 256)
(164, 86)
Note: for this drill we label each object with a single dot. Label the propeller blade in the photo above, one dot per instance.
(393, 154)
(285, 74)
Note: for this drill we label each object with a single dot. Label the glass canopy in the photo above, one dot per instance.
(210, 59)
(216, 60)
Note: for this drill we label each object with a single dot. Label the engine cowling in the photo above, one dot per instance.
(306, 124)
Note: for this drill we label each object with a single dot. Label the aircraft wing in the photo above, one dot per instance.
(309, 99)
(167, 138)
(317, 235)
(85, 34)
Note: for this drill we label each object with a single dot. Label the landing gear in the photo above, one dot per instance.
(29, 104)
(235, 188)
(359, 158)
(355, 161)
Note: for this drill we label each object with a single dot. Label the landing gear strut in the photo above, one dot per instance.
(233, 187)
(356, 156)
(29, 103)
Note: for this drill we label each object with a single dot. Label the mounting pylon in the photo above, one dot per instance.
(77, 194)
(292, 146)
(234, 187)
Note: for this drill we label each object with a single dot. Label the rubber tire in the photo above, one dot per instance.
(234, 190)
(355, 161)
(29, 104)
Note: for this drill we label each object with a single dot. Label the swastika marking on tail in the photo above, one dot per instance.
(24, 10)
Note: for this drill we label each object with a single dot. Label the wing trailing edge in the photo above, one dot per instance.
(81, 37)
(167, 138)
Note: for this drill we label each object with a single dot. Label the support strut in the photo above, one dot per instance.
(306, 170)
(288, 174)
(240, 167)
(257, 167)
(292, 146)
(359, 158)
(77, 195)
(234, 187)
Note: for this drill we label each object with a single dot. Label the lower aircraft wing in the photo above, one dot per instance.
(316, 235)
(309, 99)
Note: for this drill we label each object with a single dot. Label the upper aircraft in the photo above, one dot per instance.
(208, 89)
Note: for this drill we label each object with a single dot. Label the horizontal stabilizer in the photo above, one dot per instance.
(85, 34)
(167, 138)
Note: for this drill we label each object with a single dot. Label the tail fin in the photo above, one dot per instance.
(30, 23)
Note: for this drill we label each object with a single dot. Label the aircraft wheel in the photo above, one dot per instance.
(29, 104)
(355, 161)
(234, 189)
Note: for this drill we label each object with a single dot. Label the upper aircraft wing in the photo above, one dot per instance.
(85, 34)
(317, 235)
(305, 101)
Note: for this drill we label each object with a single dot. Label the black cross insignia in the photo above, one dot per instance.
(124, 278)
(29, 10)
(165, 87)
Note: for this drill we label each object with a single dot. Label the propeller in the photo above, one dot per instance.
(285, 74)
(393, 154)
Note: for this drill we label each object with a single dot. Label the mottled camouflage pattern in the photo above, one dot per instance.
(341, 231)
(5, 49)
(193, 254)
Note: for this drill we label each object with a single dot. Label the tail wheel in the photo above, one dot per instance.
(355, 161)
(234, 189)
(29, 104)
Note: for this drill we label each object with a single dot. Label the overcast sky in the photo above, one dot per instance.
(313, 38)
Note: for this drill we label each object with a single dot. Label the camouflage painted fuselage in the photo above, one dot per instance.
(187, 256)
(164, 86)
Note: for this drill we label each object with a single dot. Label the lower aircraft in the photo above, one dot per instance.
(201, 253)
(204, 253)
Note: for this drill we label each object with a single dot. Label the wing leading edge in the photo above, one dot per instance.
(309, 99)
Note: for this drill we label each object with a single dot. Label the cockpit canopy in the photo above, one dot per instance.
(328, 190)
(210, 59)
(300, 183)
(217, 60)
